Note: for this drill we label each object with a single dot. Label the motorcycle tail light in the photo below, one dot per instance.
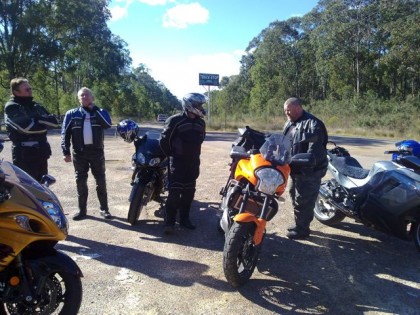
(268, 180)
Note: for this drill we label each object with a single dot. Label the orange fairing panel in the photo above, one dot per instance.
(246, 168)
(260, 223)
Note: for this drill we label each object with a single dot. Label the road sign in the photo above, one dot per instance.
(208, 79)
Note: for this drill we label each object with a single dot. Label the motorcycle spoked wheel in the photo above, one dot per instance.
(416, 234)
(142, 194)
(62, 294)
(240, 255)
(327, 214)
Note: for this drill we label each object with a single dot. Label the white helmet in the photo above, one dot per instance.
(193, 103)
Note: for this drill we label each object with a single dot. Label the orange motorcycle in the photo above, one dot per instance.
(35, 278)
(250, 199)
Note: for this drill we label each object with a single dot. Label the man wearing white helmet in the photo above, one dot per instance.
(181, 140)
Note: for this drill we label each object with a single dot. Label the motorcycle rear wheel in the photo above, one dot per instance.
(326, 213)
(141, 196)
(240, 255)
(61, 294)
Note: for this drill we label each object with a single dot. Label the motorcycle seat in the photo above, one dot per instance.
(349, 166)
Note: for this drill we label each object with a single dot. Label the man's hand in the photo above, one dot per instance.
(67, 158)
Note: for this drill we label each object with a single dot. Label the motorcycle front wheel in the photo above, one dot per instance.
(61, 294)
(141, 196)
(326, 213)
(240, 255)
(416, 234)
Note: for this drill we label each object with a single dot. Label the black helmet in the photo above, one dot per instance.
(127, 129)
(193, 103)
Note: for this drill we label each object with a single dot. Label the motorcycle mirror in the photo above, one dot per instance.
(48, 180)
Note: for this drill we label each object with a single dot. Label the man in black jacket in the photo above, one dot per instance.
(181, 140)
(305, 182)
(84, 126)
(27, 123)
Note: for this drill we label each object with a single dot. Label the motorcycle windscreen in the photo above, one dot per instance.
(393, 197)
(15, 174)
(150, 146)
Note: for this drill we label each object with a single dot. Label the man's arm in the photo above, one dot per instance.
(165, 138)
(103, 117)
(66, 134)
(18, 119)
(45, 118)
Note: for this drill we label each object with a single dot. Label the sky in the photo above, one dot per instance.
(178, 39)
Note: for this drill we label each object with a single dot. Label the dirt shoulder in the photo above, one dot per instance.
(139, 270)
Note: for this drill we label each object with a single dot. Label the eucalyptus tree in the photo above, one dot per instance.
(275, 73)
(24, 40)
(399, 57)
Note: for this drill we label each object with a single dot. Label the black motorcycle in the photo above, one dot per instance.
(386, 197)
(150, 174)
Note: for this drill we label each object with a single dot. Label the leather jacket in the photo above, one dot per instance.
(72, 128)
(182, 136)
(27, 120)
(308, 126)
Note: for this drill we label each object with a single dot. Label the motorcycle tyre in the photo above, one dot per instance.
(240, 234)
(137, 203)
(72, 297)
(329, 220)
(416, 234)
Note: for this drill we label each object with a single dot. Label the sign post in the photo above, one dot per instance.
(209, 80)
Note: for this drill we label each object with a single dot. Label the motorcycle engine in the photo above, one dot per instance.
(338, 197)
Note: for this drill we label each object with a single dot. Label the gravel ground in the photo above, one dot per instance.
(138, 270)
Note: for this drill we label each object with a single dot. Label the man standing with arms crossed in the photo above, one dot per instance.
(27, 123)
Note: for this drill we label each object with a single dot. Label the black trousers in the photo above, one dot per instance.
(303, 190)
(93, 159)
(182, 177)
(33, 160)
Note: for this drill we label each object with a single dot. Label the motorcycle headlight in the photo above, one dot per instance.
(140, 158)
(56, 214)
(154, 161)
(268, 180)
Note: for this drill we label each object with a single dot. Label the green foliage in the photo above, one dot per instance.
(355, 62)
(59, 54)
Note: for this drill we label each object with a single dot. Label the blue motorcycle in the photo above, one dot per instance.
(150, 168)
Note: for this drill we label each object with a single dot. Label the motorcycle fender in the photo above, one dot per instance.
(54, 263)
(260, 223)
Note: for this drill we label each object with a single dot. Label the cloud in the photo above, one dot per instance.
(182, 15)
(117, 13)
(181, 76)
(121, 11)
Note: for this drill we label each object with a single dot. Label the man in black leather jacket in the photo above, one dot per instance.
(27, 123)
(84, 126)
(181, 140)
(305, 182)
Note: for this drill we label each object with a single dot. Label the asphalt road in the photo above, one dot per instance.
(138, 270)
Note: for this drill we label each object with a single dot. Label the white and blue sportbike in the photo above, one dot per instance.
(386, 197)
